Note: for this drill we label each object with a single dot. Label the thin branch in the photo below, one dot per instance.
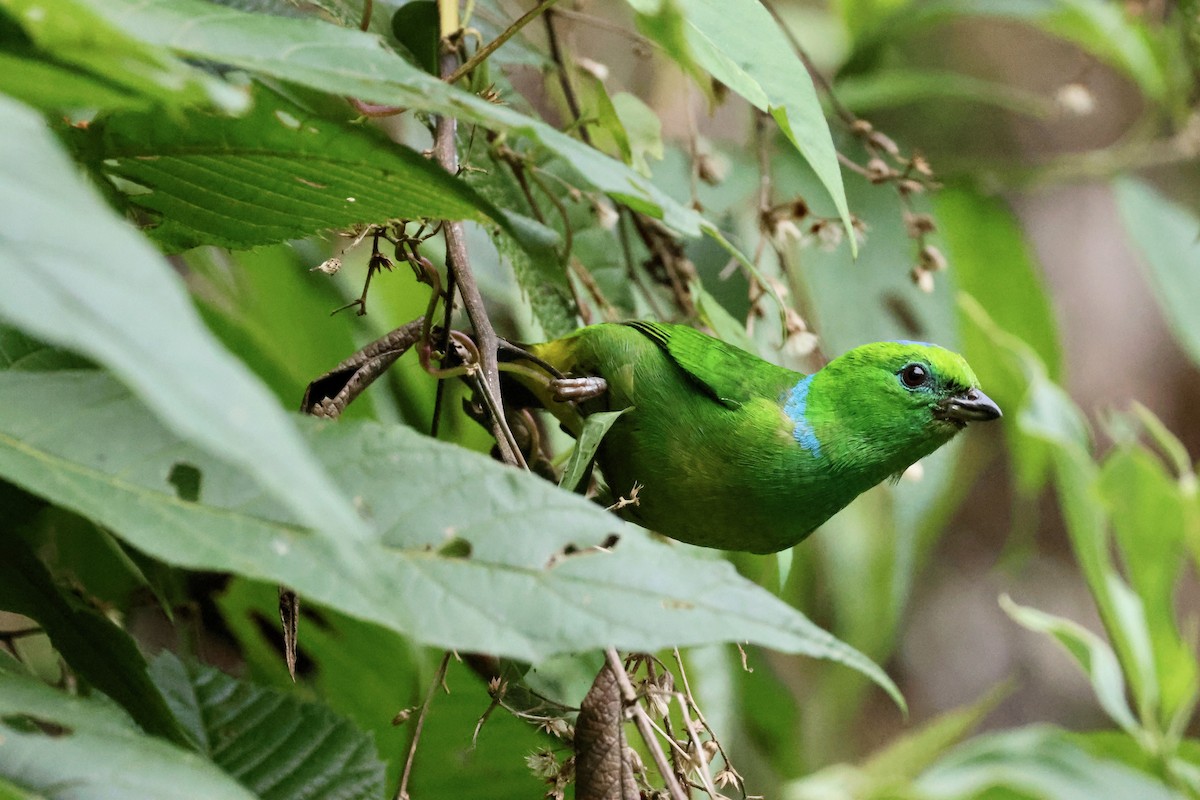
(458, 263)
(645, 726)
(439, 677)
(687, 690)
(482, 53)
(564, 79)
(701, 756)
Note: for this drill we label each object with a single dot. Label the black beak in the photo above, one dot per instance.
(974, 406)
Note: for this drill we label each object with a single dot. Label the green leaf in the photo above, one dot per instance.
(1091, 653)
(594, 427)
(1038, 762)
(1101, 29)
(754, 59)
(518, 592)
(277, 173)
(18, 351)
(104, 292)
(889, 771)
(367, 674)
(251, 733)
(642, 127)
(348, 62)
(1149, 517)
(993, 263)
(1168, 238)
(61, 747)
(897, 87)
(97, 650)
(72, 58)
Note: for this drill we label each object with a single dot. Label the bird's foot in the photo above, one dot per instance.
(575, 389)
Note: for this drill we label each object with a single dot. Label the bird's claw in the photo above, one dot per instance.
(575, 389)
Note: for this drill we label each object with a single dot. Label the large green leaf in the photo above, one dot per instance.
(754, 58)
(1168, 237)
(887, 772)
(348, 62)
(994, 264)
(1104, 30)
(62, 747)
(98, 651)
(103, 291)
(1149, 513)
(346, 657)
(277, 173)
(528, 586)
(1038, 762)
(276, 745)
(1091, 653)
(68, 57)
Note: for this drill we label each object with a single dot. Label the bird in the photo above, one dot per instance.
(723, 449)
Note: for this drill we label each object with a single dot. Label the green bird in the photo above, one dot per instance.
(733, 452)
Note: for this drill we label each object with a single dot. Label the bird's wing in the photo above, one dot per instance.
(729, 375)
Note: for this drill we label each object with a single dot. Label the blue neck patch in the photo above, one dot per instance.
(795, 406)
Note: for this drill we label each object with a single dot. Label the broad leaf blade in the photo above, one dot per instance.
(347, 62)
(1091, 653)
(1168, 238)
(276, 173)
(74, 59)
(111, 460)
(754, 58)
(103, 291)
(97, 650)
(251, 733)
(72, 748)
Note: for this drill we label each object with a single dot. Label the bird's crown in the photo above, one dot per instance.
(916, 365)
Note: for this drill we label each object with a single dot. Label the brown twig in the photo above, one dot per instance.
(438, 679)
(458, 263)
(564, 78)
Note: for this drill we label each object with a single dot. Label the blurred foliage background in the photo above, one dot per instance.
(1025, 191)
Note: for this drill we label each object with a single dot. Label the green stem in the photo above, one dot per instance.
(482, 53)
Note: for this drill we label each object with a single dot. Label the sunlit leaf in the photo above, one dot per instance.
(69, 57)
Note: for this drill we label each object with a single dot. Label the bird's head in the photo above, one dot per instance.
(897, 401)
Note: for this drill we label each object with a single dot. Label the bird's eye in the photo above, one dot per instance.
(914, 376)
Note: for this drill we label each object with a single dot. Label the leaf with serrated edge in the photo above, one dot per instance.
(516, 594)
(349, 62)
(276, 173)
(250, 732)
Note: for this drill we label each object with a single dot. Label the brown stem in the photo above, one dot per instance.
(459, 265)
(564, 78)
(402, 789)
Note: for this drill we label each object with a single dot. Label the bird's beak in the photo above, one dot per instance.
(973, 406)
